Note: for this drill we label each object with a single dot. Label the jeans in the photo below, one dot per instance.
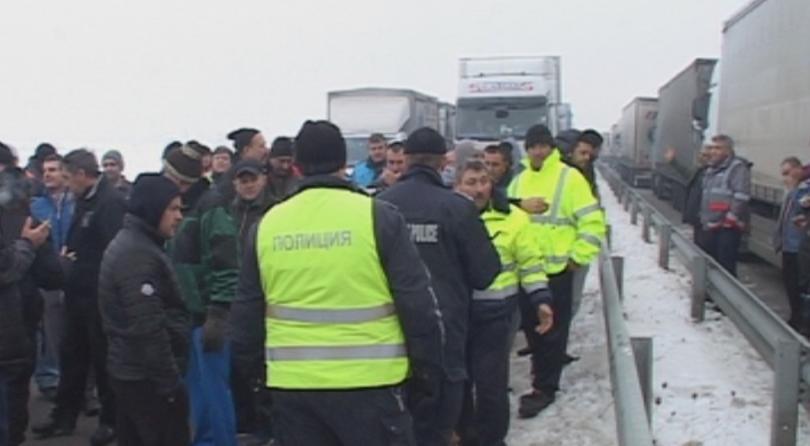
(213, 420)
(361, 417)
(49, 340)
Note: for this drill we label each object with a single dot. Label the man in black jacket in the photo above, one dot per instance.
(455, 246)
(98, 217)
(17, 257)
(145, 319)
(353, 412)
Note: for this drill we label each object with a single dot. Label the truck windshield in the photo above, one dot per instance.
(495, 121)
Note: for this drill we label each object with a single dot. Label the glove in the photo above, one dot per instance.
(213, 330)
(425, 380)
(173, 392)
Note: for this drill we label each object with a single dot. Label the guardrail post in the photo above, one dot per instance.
(646, 222)
(618, 270)
(634, 208)
(664, 243)
(699, 279)
(609, 235)
(627, 199)
(785, 414)
(643, 353)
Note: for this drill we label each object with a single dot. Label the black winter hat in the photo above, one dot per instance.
(150, 197)
(425, 140)
(7, 157)
(44, 150)
(539, 134)
(320, 148)
(592, 137)
(171, 146)
(567, 140)
(184, 163)
(282, 146)
(241, 138)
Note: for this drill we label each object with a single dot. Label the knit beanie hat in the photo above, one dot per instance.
(539, 134)
(567, 140)
(115, 156)
(150, 197)
(425, 140)
(282, 146)
(184, 163)
(241, 138)
(320, 148)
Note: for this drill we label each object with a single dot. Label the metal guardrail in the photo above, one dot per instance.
(785, 351)
(632, 406)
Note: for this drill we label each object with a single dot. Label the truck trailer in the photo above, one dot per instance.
(764, 101)
(393, 112)
(683, 117)
(635, 138)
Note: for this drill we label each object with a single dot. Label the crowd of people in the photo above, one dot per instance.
(264, 294)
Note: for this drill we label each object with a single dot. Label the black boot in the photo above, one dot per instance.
(533, 403)
(53, 427)
(103, 436)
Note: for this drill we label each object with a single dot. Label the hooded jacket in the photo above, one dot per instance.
(142, 309)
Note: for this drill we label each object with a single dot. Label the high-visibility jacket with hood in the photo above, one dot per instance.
(521, 253)
(574, 226)
(330, 316)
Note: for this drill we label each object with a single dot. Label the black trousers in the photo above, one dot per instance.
(436, 417)
(723, 245)
(83, 346)
(363, 417)
(148, 419)
(790, 280)
(548, 350)
(485, 415)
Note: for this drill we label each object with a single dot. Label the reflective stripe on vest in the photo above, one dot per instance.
(330, 320)
(587, 210)
(535, 286)
(495, 294)
(331, 353)
(592, 239)
(322, 316)
(558, 192)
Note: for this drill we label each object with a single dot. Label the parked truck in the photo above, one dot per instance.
(635, 138)
(764, 101)
(392, 112)
(499, 98)
(683, 116)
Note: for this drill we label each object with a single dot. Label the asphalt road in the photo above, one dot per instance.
(39, 410)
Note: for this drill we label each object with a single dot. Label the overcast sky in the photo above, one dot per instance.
(136, 74)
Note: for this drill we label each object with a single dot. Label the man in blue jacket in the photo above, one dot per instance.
(365, 173)
(55, 206)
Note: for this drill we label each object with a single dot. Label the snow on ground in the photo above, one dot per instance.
(711, 387)
(583, 413)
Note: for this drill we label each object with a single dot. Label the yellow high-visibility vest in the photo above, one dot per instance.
(331, 322)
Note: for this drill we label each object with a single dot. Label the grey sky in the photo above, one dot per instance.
(136, 74)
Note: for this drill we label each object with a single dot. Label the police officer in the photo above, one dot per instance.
(485, 420)
(332, 275)
(455, 246)
(571, 231)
